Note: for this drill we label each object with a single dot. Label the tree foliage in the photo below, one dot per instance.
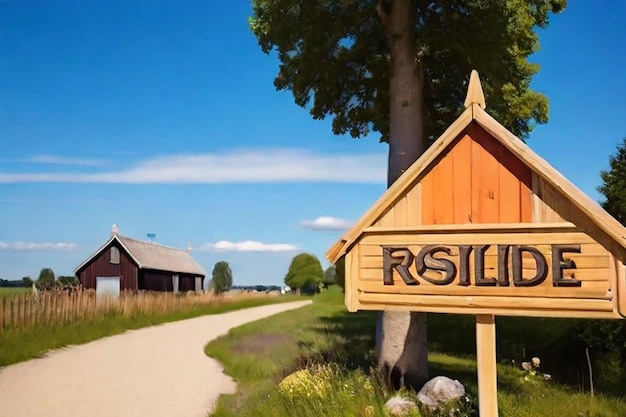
(335, 58)
(613, 186)
(46, 279)
(607, 338)
(330, 276)
(222, 277)
(67, 281)
(305, 269)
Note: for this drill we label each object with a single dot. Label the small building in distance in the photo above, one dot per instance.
(122, 263)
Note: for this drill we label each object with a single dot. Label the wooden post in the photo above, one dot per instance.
(486, 358)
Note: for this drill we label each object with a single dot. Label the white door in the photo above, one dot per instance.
(108, 286)
(175, 283)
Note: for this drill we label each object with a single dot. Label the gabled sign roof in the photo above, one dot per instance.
(581, 210)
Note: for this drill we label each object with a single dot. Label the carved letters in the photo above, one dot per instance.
(509, 257)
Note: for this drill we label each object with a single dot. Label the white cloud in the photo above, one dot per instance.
(37, 246)
(62, 160)
(326, 223)
(237, 166)
(247, 246)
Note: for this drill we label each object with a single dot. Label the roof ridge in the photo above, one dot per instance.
(150, 243)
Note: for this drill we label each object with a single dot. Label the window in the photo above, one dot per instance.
(114, 255)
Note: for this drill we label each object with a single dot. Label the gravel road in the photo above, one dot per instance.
(151, 372)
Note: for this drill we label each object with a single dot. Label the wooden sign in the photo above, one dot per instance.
(480, 224)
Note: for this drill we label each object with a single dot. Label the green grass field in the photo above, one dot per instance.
(337, 347)
(20, 345)
(9, 291)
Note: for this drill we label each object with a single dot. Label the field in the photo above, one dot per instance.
(35, 324)
(333, 350)
(12, 291)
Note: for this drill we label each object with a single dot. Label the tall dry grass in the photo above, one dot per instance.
(54, 308)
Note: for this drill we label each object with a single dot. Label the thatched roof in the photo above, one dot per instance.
(149, 255)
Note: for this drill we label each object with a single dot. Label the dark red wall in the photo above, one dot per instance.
(155, 280)
(100, 267)
(162, 281)
(186, 283)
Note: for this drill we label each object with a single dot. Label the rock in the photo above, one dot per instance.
(440, 390)
(399, 406)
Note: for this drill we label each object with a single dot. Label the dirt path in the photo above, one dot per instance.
(151, 372)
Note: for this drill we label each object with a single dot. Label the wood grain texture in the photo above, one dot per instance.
(486, 365)
(462, 187)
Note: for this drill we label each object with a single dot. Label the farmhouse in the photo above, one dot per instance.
(122, 263)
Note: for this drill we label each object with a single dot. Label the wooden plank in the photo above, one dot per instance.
(428, 198)
(496, 311)
(587, 249)
(613, 279)
(485, 197)
(621, 288)
(526, 199)
(509, 209)
(598, 290)
(462, 175)
(479, 228)
(492, 238)
(550, 203)
(508, 175)
(351, 288)
(387, 219)
(413, 200)
(502, 303)
(443, 190)
(486, 363)
(400, 213)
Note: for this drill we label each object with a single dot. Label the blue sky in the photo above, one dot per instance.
(161, 117)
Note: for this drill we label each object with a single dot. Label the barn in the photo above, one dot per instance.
(122, 263)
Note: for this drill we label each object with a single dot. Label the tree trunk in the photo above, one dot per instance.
(401, 335)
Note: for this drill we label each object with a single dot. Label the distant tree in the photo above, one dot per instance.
(222, 277)
(27, 281)
(68, 281)
(330, 276)
(613, 186)
(340, 272)
(305, 269)
(46, 279)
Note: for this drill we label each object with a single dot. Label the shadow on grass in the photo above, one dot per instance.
(350, 339)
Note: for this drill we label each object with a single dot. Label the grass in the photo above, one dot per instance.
(23, 344)
(335, 350)
(12, 291)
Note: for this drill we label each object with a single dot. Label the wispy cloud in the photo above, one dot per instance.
(326, 223)
(63, 160)
(37, 246)
(247, 246)
(243, 166)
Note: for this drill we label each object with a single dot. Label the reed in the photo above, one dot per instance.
(60, 307)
